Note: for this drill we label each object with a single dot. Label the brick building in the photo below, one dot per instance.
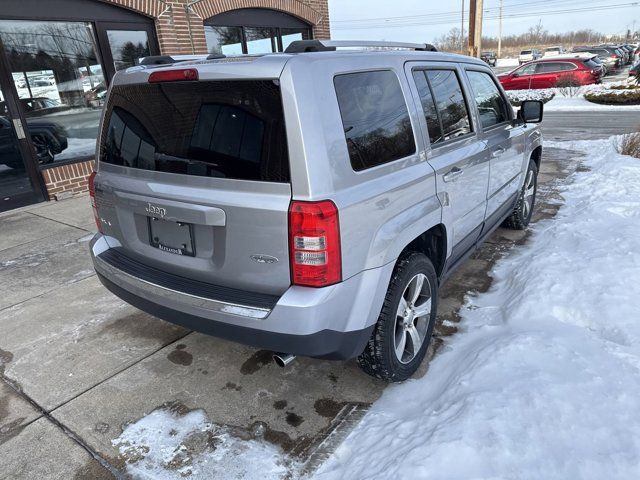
(58, 57)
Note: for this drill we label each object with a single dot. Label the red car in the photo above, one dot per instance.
(552, 72)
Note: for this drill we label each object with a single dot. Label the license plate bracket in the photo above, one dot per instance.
(171, 237)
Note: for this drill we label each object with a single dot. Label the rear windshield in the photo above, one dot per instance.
(525, 52)
(226, 129)
(590, 63)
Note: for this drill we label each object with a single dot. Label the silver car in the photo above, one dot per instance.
(310, 202)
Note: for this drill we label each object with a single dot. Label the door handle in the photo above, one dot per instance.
(497, 152)
(452, 174)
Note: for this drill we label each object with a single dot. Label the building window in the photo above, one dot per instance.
(128, 47)
(60, 85)
(224, 40)
(253, 31)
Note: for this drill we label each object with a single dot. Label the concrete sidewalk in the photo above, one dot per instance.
(77, 365)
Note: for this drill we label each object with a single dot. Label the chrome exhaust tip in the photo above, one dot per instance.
(283, 359)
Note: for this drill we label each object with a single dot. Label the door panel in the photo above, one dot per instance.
(20, 181)
(461, 162)
(504, 142)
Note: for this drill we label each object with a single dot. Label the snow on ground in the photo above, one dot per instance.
(166, 445)
(78, 147)
(543, 380)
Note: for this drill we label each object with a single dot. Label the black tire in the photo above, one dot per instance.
(379, 358)
(521, 215)
(43, 149)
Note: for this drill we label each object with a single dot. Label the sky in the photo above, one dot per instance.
(425, 20)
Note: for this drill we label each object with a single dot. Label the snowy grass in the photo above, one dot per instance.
(543, 381)
(573, 99)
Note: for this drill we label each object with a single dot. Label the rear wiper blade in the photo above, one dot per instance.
(171, 158)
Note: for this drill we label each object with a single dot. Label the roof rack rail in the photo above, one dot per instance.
(305, 46)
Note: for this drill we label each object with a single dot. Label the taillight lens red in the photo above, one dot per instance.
(314, 244)
(94, 205)
(181, 75)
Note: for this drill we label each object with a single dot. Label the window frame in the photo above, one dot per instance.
(407, 96)
(472, 117)
(507, 104)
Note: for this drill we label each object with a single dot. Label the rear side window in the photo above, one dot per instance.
(546, 67)
(450, 103)
(374, 117)
(491, 105)
(591, 63)
(225, 129)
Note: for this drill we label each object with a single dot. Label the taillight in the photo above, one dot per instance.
(92, 195)
(314, 244)
(180, 75)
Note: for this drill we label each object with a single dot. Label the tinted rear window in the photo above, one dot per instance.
(226, 129)
(374, 117)
(591, 63)
(525, 52)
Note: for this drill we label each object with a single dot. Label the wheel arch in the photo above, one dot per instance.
(536, 155)
(432, 243)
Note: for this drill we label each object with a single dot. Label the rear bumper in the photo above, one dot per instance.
(333, 322)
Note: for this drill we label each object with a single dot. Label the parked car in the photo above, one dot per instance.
(634, 71)
(529, 55)
(554, 51)
(549, 73)
(621, 54)
(608, 56)
(295, 202)
(37, 106)
(48, 138)
(490, 58)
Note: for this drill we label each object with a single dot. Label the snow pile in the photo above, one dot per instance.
(559, 101)
(543, 381)
(166, 445)
(516, 97)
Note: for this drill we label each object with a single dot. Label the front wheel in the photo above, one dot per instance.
(402, 334)
(521, 215)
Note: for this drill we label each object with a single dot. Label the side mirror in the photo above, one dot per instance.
(531, 111)
(515, 74)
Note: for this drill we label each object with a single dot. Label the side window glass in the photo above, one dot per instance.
(528, 70)
(428, 106)
(450, 103)
(375, 118)
(491, 105)
(548, 67)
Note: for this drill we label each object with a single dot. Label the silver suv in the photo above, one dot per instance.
(309, 202)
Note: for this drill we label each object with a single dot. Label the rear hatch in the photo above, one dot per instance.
(193, 180)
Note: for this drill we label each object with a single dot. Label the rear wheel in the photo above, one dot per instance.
(521, 215)
(402, 334)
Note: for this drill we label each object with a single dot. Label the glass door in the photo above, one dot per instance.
(20, 181)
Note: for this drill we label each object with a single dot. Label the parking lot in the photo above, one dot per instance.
(78, 365)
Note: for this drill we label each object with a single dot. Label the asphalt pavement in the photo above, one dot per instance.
(588, 125)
